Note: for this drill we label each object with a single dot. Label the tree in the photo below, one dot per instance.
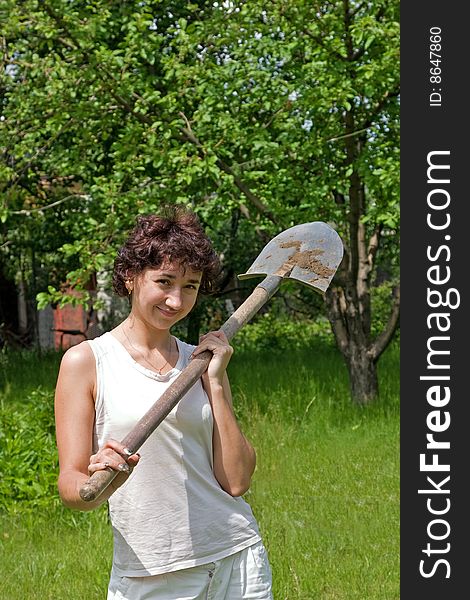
(315, 124)
(261, 116)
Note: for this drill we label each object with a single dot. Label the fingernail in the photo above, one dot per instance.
(124, 467)
(127, 451)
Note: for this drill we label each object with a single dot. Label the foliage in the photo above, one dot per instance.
(269, 333)
(259, 116)
(28, 456)
(142, 104)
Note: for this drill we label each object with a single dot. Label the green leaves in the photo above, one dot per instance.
(28, 454)
(275, 93)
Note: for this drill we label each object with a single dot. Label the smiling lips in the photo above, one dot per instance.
(166, 312)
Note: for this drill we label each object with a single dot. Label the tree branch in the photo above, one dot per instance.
(335, 316)
(347, 135)
(379, 106)
(322, 43)
(241, 185)
(374, 243)
(383, 340)
(28, 211)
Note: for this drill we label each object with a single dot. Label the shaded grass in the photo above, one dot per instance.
(325, 492)
(23, 372)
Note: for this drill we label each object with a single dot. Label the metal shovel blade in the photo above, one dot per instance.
(310, 253)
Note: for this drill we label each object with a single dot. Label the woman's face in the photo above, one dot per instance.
(162, 297)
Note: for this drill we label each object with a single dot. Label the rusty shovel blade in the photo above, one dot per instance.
(309, 253)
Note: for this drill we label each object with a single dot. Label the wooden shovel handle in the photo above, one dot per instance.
(96, 484)
(100, 480)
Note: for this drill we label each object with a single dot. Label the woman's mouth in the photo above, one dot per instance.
(167, 312)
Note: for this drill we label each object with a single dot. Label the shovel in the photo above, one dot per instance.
(309, 253)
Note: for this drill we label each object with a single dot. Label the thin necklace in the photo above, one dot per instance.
(159, 370)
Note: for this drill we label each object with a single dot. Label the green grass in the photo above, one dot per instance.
(325, 492)
(328, 505)
(55, 555)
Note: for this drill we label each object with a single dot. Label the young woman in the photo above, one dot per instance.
(181, 528)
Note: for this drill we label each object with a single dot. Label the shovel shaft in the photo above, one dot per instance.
(260, 295)
(100, 480)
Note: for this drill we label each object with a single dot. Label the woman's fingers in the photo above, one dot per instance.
(216, 335)
(215, 341)
(113, 455)
(98, 466)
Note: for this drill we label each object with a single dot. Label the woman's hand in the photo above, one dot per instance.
(113, 455)
(217, 343)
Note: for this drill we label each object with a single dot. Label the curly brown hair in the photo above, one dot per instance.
(175, 235)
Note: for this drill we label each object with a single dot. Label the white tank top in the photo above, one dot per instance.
(171, 513)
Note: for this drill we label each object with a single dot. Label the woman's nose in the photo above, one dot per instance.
(174, 299)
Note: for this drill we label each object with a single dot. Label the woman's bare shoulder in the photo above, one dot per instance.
(77, 372)
(78, 357)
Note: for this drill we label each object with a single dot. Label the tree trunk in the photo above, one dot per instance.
(362, 376)
(350, 323)
(352, 336)
(194, 325)
(22, 307)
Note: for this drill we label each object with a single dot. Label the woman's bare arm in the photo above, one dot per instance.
(75, 415)
(234, 456)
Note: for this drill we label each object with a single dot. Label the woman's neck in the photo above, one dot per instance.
(139, 334)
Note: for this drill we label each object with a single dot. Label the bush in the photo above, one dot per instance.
(270, 332)
(28, 454)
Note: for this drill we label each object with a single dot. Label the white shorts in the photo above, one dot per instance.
(242, 576)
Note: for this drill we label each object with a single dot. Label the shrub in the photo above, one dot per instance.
(271, 332)
(28, 454)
